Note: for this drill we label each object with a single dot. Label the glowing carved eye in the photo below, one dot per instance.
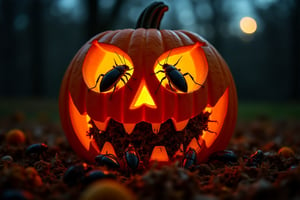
(105, 67)
(184, 63)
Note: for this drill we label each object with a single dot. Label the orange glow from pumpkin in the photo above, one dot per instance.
(142, 97)
(192, 60)
(179, 126)
(159, 154)
(108, 149)
(194, 144)
(216, 119)
(100, 59)
(80, 123)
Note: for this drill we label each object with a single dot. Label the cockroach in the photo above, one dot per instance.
(111, 78)
(174, 76)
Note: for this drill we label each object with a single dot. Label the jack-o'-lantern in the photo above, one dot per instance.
(166, 94)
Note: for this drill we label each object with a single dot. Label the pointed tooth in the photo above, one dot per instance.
(194, 144)
(102, 125)
(156, 128)
(94, 146)
(179, 126)
(159, 154)
(179, 152)
(129, 127)
(108, 149)
(88, 120)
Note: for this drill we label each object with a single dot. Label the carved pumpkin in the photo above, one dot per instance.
(104, 109)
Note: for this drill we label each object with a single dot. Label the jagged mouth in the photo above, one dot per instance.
(200, 133)
(168, 140)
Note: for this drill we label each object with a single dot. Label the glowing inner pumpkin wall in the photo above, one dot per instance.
(144, 48)
(100, 59)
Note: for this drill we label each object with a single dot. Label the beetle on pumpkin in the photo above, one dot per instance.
(112, 77)
(174, 76)
(141, 115)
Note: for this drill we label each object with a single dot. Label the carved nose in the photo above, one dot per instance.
(142, 97)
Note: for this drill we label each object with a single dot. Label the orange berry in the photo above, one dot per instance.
(107, 190)
(286, 152)
(33, 176)
(15, 137)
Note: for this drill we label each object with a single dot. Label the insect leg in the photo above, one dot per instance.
(192, 78)
(129, 75)
(115, 85)
(124, 60)
(125, 77)
(160, 71)
(171, 85)
(97, 81)
(125, 82)
(160, 83)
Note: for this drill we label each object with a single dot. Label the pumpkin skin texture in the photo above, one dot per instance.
(142, 49)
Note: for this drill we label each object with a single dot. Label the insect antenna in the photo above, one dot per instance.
(166, 61)
(159, 63)
(168, 57)
(119, 57)
(177, 61)
(115, 63)
(124, 60)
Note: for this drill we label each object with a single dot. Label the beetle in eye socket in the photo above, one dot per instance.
(113, 76)
(174, 76)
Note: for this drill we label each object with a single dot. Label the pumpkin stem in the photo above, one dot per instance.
(152, 15)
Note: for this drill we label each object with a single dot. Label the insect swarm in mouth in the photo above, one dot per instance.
(144, 140)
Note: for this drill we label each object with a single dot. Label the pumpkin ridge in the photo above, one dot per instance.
(186, 40)
(167, 36)
(195, 37)
(107, 38)
(223, 68)
(130, 38)
(99, 36)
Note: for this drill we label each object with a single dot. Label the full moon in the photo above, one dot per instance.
(248, 25)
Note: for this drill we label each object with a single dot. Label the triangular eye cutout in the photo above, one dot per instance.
(142, 97)
(100, 60)
(189, 64)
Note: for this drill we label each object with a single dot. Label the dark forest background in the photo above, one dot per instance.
(38, 39)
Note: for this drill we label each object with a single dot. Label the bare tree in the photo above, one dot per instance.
(8, 47)
(295, 24)
(36, 21)
(97, 21)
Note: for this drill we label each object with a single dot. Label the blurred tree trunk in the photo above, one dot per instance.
(97, 21)
(36, 27)
(295, 24)
(8, 48)
(217, 6)
(92, 23)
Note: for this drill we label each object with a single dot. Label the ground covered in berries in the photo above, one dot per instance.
(261, 161)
